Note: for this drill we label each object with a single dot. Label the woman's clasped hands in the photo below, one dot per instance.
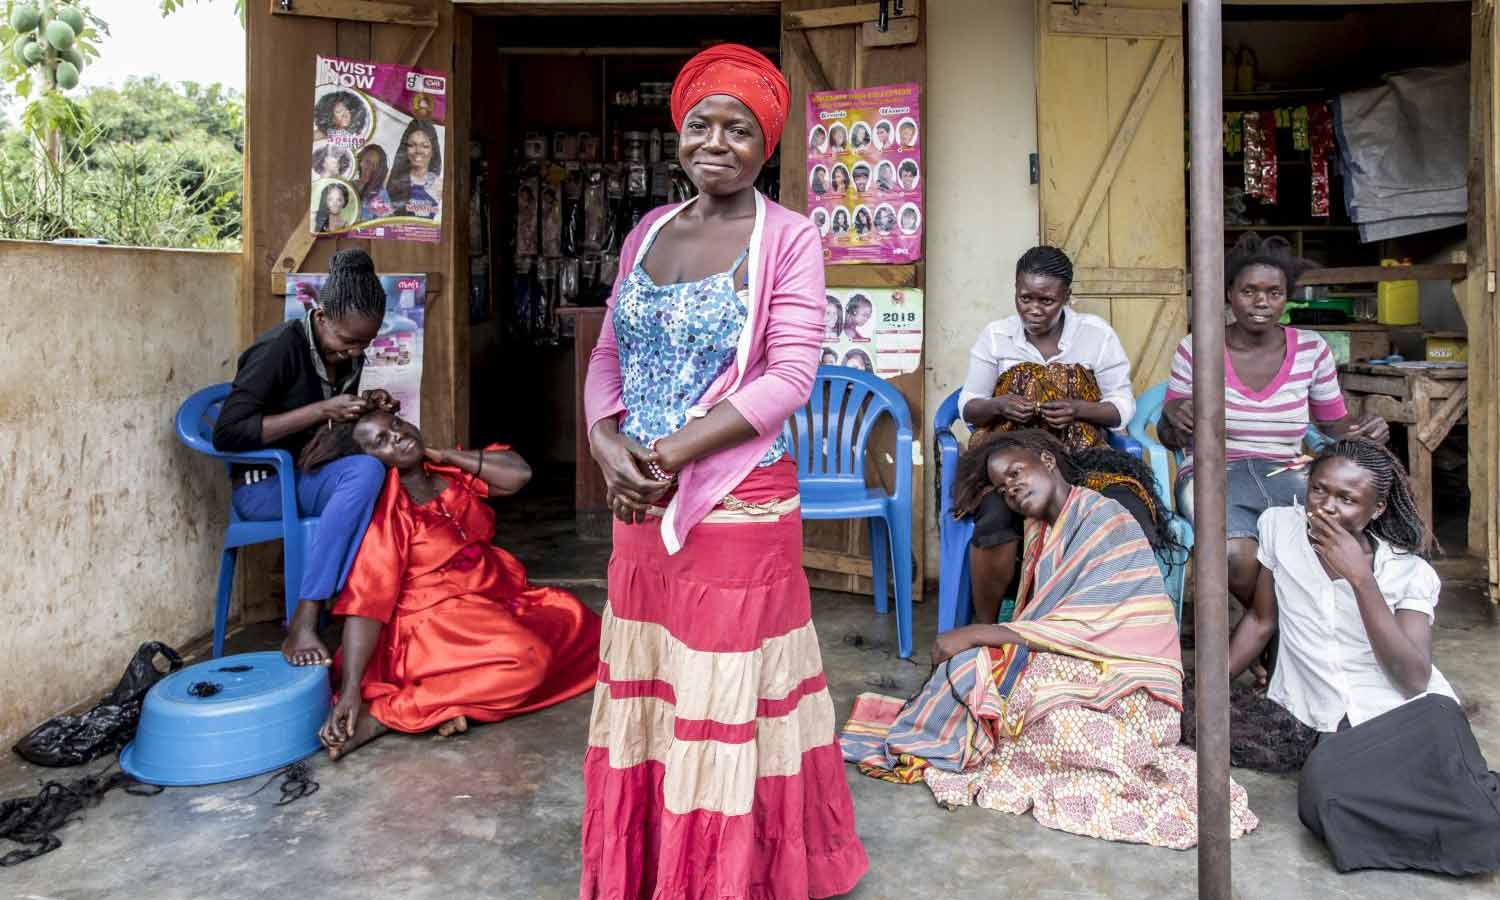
(629, 490)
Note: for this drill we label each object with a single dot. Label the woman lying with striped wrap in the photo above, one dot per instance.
(1070, 711)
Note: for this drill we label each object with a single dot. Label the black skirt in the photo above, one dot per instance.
(1408, 789)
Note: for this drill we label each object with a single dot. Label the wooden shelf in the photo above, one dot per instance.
(1262, 96)
(1372, 274)
(1291, 228)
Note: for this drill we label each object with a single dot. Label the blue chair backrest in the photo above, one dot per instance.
(831, 431)
(196, 417)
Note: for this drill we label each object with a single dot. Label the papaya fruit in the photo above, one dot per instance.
(33, 52)
(73, 56)
(72, 16)
(67, 75)
(18, 49)
(25, 17)
(60, 34)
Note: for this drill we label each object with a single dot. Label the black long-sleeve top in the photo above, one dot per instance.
(278, 373)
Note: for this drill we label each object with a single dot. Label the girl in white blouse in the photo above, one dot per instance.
(1396, 780)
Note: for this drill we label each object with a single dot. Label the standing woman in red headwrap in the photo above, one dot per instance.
(712, 769)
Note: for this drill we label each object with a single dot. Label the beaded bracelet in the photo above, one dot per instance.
(654, 469)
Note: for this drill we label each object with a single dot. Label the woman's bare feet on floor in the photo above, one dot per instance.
(302, 646)
(366, 729)
(456, 725)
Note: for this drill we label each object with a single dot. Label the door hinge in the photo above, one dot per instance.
(1077, 5)
(1489, 282)
(1036, 168)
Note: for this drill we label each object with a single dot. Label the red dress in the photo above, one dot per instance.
(464, 633)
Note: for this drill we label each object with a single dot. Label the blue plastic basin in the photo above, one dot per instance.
(258, 720)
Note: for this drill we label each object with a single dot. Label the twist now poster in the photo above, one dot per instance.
(864, 173)
(377, 153)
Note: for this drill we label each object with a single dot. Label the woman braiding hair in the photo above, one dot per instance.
(711, 342)
(296, 378)
(1047, 367)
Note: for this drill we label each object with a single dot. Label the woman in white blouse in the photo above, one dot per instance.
(1396, 780)
(1060, 347)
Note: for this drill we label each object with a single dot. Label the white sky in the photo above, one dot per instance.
(201, 42)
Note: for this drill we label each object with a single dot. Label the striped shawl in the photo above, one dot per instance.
(1091, 589)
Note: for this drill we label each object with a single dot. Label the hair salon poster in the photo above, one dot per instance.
(878, 331)
(864, 173)
(393, 361)
(377, 155)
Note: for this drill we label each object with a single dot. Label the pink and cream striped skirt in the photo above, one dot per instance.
(712, 769)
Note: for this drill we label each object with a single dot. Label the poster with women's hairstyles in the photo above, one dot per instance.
(393, 361)
(864, 173)
(878, 331)
(377, 155)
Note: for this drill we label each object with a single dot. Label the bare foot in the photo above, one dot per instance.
(302, 646)
(366, 729)
(1262, 679)
(457, 725)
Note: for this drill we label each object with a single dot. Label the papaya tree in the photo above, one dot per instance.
(46, 45)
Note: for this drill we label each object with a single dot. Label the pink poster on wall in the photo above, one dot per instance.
(864, 173)
(377, 158)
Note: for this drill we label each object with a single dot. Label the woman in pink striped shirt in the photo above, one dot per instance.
(1277, 380)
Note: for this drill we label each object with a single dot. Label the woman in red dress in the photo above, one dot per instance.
(441, 628)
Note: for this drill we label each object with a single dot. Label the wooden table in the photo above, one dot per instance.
(1428, 401)
(590, 509)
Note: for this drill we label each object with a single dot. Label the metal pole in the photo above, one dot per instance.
(1210, 550)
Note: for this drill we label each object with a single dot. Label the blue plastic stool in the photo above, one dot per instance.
(256, 715)
(195, 425)
(830, 435)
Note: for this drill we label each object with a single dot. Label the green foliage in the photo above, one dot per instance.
(146, 164)
(170, 6)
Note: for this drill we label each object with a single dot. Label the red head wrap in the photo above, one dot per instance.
(739, 72)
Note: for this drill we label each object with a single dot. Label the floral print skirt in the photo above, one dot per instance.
(1119, 773)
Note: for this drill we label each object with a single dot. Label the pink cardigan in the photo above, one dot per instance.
(773, 368)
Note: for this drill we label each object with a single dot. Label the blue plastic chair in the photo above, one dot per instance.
(195, 426)
(830, 435)
(954, 535)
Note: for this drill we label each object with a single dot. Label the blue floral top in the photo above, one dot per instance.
(673, 341)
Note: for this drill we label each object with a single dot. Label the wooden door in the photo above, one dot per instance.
(282, 44)
(1110, 140)
(837, 45)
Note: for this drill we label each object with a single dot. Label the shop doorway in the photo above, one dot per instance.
(571, 141)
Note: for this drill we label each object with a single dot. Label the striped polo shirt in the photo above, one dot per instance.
(1271, 422)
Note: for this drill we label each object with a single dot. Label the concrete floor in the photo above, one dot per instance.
(495, 813)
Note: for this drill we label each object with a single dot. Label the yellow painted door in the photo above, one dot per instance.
(1113, 192)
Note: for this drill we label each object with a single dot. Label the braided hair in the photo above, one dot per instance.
(352, 289)
(335, 440)
(972, 479)
(1399, 525)
(1253, 250)
(332, 441)
(1048, 261)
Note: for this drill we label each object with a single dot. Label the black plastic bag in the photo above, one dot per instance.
(75, 740)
